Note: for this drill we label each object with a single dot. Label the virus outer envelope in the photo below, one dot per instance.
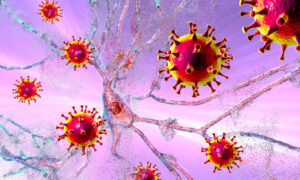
(78, 53)
(50, 11)
(82, 129)
(195, 59)
(222, 152)
(27, 90)
(147, 172)
(277, 20)
(118, 57)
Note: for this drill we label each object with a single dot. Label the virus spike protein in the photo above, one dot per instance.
(195, 59)
(82, 129)
(278, 21)
(147, 172)
(27, 90)
(78, 53)
(50, 11)
(222, 152)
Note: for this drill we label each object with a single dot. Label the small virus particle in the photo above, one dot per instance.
(118, 57)
(27, 90)
(50, 11)
(277, 20)
(78, 53)
(195, 59)
(147, 172)
(222, 152)
(82, 129)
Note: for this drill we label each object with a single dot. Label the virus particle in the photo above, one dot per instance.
(195, 59)
(78, 53)
(277, 20)
(50, 11)
(222, 152)
(82, 129)
(27, 90)
(118, 57)
(147, 172)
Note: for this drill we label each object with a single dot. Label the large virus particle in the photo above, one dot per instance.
(146, 172)
(82, 129)
(222, 152)
(277, 20)
(27, 90)
(50, 11)
(195, 59)
(118, 57)
(78, 53)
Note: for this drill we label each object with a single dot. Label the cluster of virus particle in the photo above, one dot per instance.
(195, 59)
(50, 11)
(82, 129)
(118, 57)
(78, 53)
(27, 90)
(277, 20)
(222, 152)
(146, 172)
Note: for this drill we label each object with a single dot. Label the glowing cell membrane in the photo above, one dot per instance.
(222, 152)
(27, 90)
(277, 20)
(78, 53)
(118, 57)
(82, 129)
(195, 59)
(50, 11)
(147, 172)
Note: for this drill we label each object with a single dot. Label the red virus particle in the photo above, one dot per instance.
(277, 20)
(27, 90)
(147, 172)
(82, 129)
(50, 11)
(222, 152)
(118, 57)
(78, 53)
(195, 59)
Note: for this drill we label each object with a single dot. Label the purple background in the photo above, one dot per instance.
(275, 114)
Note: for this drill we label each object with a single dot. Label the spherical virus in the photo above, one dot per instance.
(82, 129)
(222, 152)
(118, 57)
(277, 20)
(50, 11)
(147, 172)
(27, 90)
(78, 53)
(195, 59)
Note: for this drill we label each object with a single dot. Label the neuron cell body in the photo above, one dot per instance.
(277, 20)
(195, 59)
(27, 90)
(222, 152)
(146, 172)
(78, 53)
(117, 113)
(50, 11)
(82, 129)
